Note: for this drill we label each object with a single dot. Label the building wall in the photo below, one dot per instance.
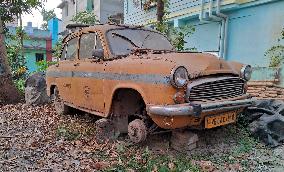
(53, 27)
(102, 9)
(110, 7)
(39, 41)
(254, 26)
(30, 56)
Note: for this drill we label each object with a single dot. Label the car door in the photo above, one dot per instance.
(89, 74)
(65, 68)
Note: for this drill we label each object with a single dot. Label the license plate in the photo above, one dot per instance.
(219, 120)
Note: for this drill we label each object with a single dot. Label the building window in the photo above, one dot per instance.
(90, 5)
(39, 57)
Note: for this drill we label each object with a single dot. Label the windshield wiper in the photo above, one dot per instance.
(125, 38)
(145, 40)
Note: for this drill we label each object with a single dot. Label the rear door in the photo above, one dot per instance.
(66, 66)
(89, 74)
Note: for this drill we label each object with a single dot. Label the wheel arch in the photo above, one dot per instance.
(125, 91)
(51, 90)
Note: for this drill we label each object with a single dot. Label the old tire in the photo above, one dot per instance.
(59, 105)
(137, 131)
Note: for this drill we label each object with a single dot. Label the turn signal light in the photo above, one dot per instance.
(179, 97)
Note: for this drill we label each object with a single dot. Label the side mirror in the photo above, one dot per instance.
(98, 53)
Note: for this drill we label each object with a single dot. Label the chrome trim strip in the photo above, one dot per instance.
(189, 109)
(144, 78)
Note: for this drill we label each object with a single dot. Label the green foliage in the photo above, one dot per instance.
(43, 65)
(46, 16)
(246, 142)
(67, 134)
(146, 161)
(178, 36)
(9, 9)
(20, 85)
(14, 50)
(85, 17)
(276, 53)
(57, 48)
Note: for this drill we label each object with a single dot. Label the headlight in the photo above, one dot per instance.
(179, 77)
(246, 72)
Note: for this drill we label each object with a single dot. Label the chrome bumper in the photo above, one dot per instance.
(189, 109)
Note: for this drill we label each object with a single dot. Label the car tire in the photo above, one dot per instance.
(59, 105)
(137, 131)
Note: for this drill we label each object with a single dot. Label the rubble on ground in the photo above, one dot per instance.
(35, 89)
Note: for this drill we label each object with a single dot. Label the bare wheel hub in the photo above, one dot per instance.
(137, 131)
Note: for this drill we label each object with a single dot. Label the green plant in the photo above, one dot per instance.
(57, 49)
(14, 49)
(246, 143)
(147, 161)
(43, 65)
(177, 35)
(276, 53)
(46, 16)
(67, 134)
(20, 85)
(85, 17)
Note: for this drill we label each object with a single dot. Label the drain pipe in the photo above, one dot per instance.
(212, 18)
(225, 23)
(201, 15)
(218, 19)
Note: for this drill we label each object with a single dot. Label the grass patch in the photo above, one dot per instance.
(146, 161)
(67, 134)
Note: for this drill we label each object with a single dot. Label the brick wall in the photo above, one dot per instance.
(265, 90)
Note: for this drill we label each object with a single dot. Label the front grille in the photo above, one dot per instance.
(214, 89)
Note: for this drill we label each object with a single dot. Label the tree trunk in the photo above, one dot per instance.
(8, 92)
(160, 10)
(22, 39)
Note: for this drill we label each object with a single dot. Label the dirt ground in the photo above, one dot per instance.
(37, 139)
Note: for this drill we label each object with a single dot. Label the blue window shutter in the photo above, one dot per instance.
(90, 5)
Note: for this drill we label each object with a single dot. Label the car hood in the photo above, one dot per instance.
(200, 64)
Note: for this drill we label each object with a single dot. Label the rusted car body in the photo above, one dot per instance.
(126, 73)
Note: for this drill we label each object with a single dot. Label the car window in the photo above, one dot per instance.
(71, 51)
(123, 41)
(63, 55)
(89, 42)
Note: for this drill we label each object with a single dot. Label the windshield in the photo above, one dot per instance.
(123, 41)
